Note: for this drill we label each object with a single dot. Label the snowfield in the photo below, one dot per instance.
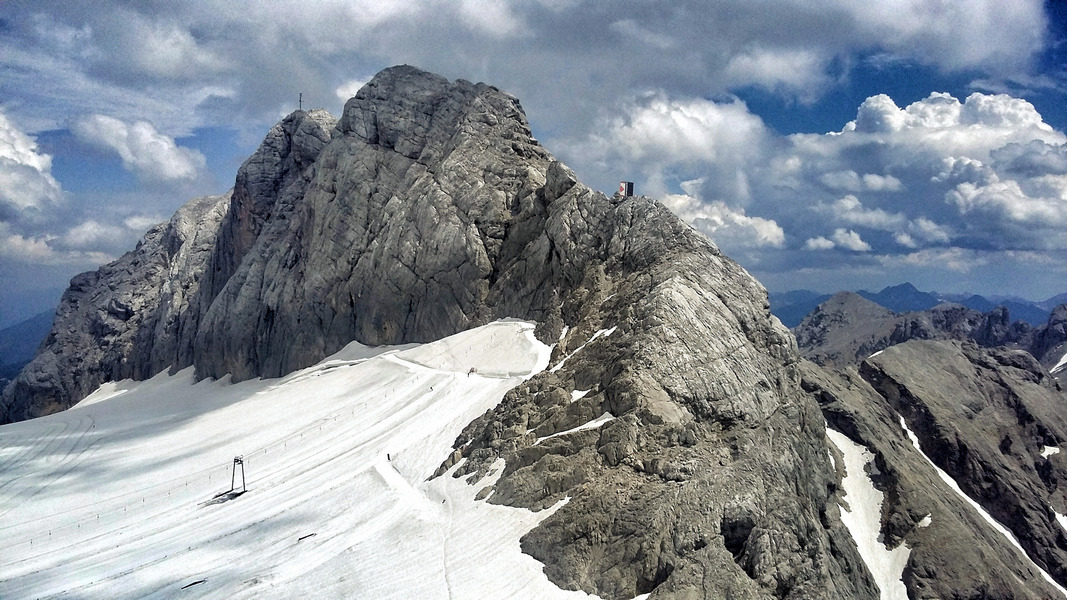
(863, 518)
(124, 495)
(1060, 365)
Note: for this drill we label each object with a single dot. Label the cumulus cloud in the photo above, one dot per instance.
(982, 173)
(656, 129)
(144, 151)
(45, 250)
(850, 240)
(854, 182)
(705, 143)
(924, 176)
(798, 69)
(896, 186)
(263, 53)
(26, 182)
(729, 227)
(90, 234)
(86, 244)
(841, 238)
(818, 243)
(349, 88)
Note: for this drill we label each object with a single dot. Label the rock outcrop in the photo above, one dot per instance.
(428, 208)
(674, 420)
(987, 417)
(130, 319)
(1049, 343)
(847, 328)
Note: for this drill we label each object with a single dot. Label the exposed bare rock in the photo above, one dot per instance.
(132, 318)
(428, 209)
(278, 171)
(984, 416)
(395, 236)
(1050, 343)
(847, 328)
(843, 328)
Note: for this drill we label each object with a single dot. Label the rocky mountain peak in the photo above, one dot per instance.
(673, 420)
(428, 209)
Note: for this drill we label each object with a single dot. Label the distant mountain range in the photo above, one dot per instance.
(791, 307)
(19, 343)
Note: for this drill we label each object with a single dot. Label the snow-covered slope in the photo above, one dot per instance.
(123, 496)
(862, 515)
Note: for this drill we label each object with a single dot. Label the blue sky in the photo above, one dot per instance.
(824, 145)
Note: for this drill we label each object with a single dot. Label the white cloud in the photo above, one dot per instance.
(144, 151)
(852, 181)
(659, 130)
(724, 225)
(26, 180)
(928, 231)
(141, 223)
(985, 173)
(850, 210)
(841, 238)
(850, 240)
(164, 49)
(960, 260)
(909, 233)
(818, 243)
(1007, 200)
(43, 250)
(996, 35)
(90, 233)
(797, 69)
(182, 66)
(491, 17)
(349, 88)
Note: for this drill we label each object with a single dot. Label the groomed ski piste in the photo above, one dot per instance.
(128, 494)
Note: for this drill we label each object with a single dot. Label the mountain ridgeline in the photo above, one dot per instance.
(428, 208)
(792, 307)
(847, 328)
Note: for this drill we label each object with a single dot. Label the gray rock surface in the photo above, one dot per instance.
(984, 416)
(429, 208)
(132, 318)
(1049, 343)
(847, 328)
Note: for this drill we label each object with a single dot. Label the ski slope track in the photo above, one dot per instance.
(125, 495)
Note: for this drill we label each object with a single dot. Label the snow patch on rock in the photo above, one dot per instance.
(863, 517)
(1059, 366)
(1004, 531)
(602, 332)
(595, 423)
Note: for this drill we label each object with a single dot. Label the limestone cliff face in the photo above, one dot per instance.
(396, 234)
(987, 418)
(428, 208)
(130, 319)
(278, 171)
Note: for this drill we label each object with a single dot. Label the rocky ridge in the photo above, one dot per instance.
(986, 417)
(678, 416)
(130, 319)
(428, 208)
(847, 328)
